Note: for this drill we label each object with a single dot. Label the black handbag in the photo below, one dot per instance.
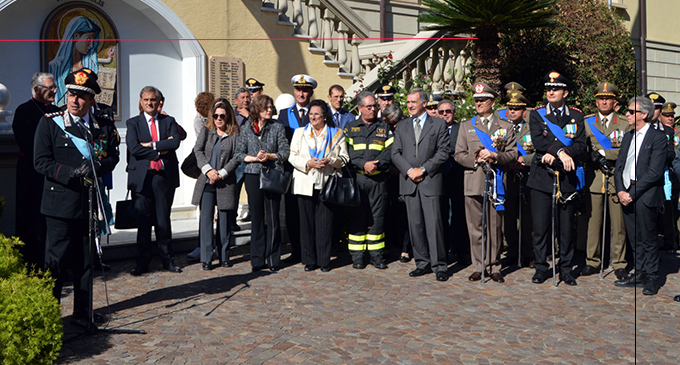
(190, 166)
(126, 217)
(274, 180)
(341, 189)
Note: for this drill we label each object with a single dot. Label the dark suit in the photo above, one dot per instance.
(153, 191)
(541, 184)
(647, 194)
(344, 117)
(65, 200)
(454, 199)
(291, 209)
(30, 223)
(426, 226)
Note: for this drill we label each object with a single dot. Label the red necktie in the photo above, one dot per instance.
(156, 165)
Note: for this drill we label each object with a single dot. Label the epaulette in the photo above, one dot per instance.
(54, 114)
(577, 109)
(539, 107)
(587, 116)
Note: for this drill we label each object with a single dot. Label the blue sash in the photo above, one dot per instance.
(292, 118)
(559, 133)
(599, 136)
(667, 185)
(488, 144)
(520, 149)
(503, 113)
(81, 144)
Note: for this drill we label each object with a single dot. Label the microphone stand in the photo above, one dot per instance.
(95, 206)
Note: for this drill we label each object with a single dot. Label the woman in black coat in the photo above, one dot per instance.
(215, 151)
(263, 142)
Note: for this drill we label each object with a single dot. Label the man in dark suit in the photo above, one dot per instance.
(153, 176)
(638, 177)
(340, 116)
(30, 223)
(559, 139)
(67, 146)
(421, 146)
(292, 118)
(454, 218)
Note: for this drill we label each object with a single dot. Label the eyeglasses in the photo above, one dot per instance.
(446, 111)
(431, 108)
(315, 115)
(372, 106)
(53, 87)
(220, 116)
(386, 98)
(515, 109)
(633, 111)
(269, 108)
(668, 115)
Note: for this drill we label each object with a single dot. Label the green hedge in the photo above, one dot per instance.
(30, 316)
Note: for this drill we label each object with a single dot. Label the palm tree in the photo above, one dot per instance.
(486, 19)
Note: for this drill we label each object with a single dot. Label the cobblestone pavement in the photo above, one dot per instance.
(348, 316)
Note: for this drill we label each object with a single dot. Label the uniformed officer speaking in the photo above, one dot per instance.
(62, 154)
(368, 145)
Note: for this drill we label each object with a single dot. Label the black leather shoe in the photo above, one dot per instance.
(538, 278)
(677, 298)
(568, 279)
(325, 268)
(418, 272)
(206, 266)
(637, 279)
(172, 268)
(651, 286)
(379, 265)
(138, 270)
(359, 265)
(442, 276)
(311, 267)
(258, 268)
(226, 263)
(589, 270)
(404, 259)
(621, 274)
(273, 268)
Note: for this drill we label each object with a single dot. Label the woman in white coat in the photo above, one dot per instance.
(315, 153)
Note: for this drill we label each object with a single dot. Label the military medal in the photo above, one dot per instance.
(527, 144)
(570, 130)
(499, 138)
(616, 137)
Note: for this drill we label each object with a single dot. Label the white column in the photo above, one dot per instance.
(342, 43)
(297, 16)
(459, 71)
(313, 18)
(356, 62)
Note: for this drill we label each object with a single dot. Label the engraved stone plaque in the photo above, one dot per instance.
(226, 75)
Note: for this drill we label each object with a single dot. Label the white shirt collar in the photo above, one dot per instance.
(148, 117)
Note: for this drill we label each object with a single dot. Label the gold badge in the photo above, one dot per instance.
(356, 129)
(81, 78)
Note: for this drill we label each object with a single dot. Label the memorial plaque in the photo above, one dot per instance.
(226, 76)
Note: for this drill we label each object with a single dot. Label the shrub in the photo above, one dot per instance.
(30, 316)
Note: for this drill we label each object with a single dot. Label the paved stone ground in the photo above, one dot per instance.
(347, 316)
